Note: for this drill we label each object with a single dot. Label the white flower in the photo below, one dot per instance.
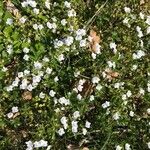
(81, 32)
(14, 109)
(36, 11)
(71, 13)
(92, 98)
(76, 114)
(26, 57)
(32, 3)
(22, 20)
(9, 21)
(79, 88)
(47, 4)
(99, 87)
(37, 65)
(118, 147)
(124, 97)
(42, 95)
(52, 93)
(127, 9)
(26, 72)
(84, 131)
(61, 57)
(134, 67)
(148, 144)
(148, 111)
(24, 84)
(106, 104)
(63, 120)
(128, 93)
(93, 55)
(35, 26)
(141, 15)
(111, 64)
(113, 46)
(148, 20)
(61, 131)
(95, 80)
(63, 22)
(131, 113)
(9, 49)
(64, 101)
(26, 50)
(74, 126)
(87, 124)
(10, 115)
(116, 116)
(29, 145)
(69, 40)
(4, 69)
(24, 4)
(49, 25)
(56, 79)
(30, 87)
(127, 146)
(40, 143)
(9, 88)
(36, 79)
(40, 27)
(67, 4)
(45, 59)
(126, 22)
(83, 43)
(148, 30)
(79, 97)
(142, 91)
(48, 70)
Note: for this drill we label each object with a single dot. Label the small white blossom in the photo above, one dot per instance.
(61, 131)
(95, 80)
(63, 22)
(148, 144)
(76, 114)
(116, 116)
(37, 65)
(118, 147)
(106, 104)
(10, 115)
(42, 95)
(127, 9)
(84, 131)
(48, 70)
(52, 93)
(67, 4)
(26, 57)
(131, 114)
(113, 46)
(36, 11)
(148, 111)
(26, 50)
(14, 109)
(127, 146)
(87, 124)
(71, 13)
(9, 21)
(22, 20)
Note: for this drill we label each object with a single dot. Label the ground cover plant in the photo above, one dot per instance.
(74, 75)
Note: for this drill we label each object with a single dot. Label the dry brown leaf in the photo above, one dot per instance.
(85, 148)
(142, 2)
(27, 95)
(111, 74)
(12, 9)
(16, 114)
(94, 40)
